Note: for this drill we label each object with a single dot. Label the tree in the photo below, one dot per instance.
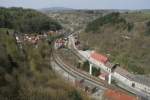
(26, 20)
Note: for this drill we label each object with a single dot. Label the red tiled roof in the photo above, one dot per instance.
(99, 57)
(117, 95)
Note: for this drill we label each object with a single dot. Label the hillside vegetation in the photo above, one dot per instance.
(73, 21)
(25, 70)
(26, 20)
(26, 73)
(124, 38)
(110, 19)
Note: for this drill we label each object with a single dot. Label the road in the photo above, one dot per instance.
(139, 93)
(73, 71)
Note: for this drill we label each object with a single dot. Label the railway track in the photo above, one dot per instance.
(76, 72)
(73, 71)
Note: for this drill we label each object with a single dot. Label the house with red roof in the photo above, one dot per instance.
(118, 95)
(99, 57)
(101, 61)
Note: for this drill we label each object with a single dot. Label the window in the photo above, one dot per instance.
(133, 84)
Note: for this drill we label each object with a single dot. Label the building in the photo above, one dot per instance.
(118, 95)
(99, 57)
(102, 62)
(122, 75)
(141, 82)
(98, 60)
(137, 82)
(111, 66)
(103, 76)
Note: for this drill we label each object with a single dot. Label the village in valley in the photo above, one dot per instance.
(74, 54)
(109, 72)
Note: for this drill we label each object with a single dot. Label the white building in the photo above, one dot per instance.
(122, 75)
(141, 82)
(137, 82)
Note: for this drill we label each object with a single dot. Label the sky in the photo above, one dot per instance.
(78, 4)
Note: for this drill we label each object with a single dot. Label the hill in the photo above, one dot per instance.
(25, 73)
(123, 37)
(56, 9)
(25, 70)
(26, 20)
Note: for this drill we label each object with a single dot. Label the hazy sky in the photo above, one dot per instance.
(79, 4)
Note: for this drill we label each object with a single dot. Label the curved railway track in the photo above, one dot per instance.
(76, 72)
(73, 71)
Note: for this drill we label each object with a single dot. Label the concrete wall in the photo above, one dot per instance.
(122, 79)
(142, 87)
(128, 82)
(101, 65)
(116, 75)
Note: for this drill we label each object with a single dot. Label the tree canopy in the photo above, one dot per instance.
(112, 18)
(26, 20)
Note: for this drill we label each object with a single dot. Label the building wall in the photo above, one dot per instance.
(142, 87)
(122, 79)
(128, 82)
(117, 76)
(101, 65)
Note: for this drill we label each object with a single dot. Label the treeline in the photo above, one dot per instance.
(26, 74)
(148, 28)
(26, 20)
(112, 19)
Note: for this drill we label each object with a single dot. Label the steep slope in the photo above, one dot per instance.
(123, 37)
(26, 73)
(26, 20)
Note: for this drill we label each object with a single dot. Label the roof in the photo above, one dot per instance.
(99, 57)
(123, 72)
(137, 78)
(103, 74)
(118, 95)
(109, 65)
(142, 79)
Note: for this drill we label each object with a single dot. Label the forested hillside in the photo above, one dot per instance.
(123, 37)
(25, 70)
(26, 20)
(26, 73)
(110, 19)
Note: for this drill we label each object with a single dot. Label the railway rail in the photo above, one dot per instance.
(76, 72)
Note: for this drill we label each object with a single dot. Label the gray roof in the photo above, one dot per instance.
(123, 72)
(137, 78)
(142, 79)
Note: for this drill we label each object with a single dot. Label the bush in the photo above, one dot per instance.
(96, 71)
(86, 66)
